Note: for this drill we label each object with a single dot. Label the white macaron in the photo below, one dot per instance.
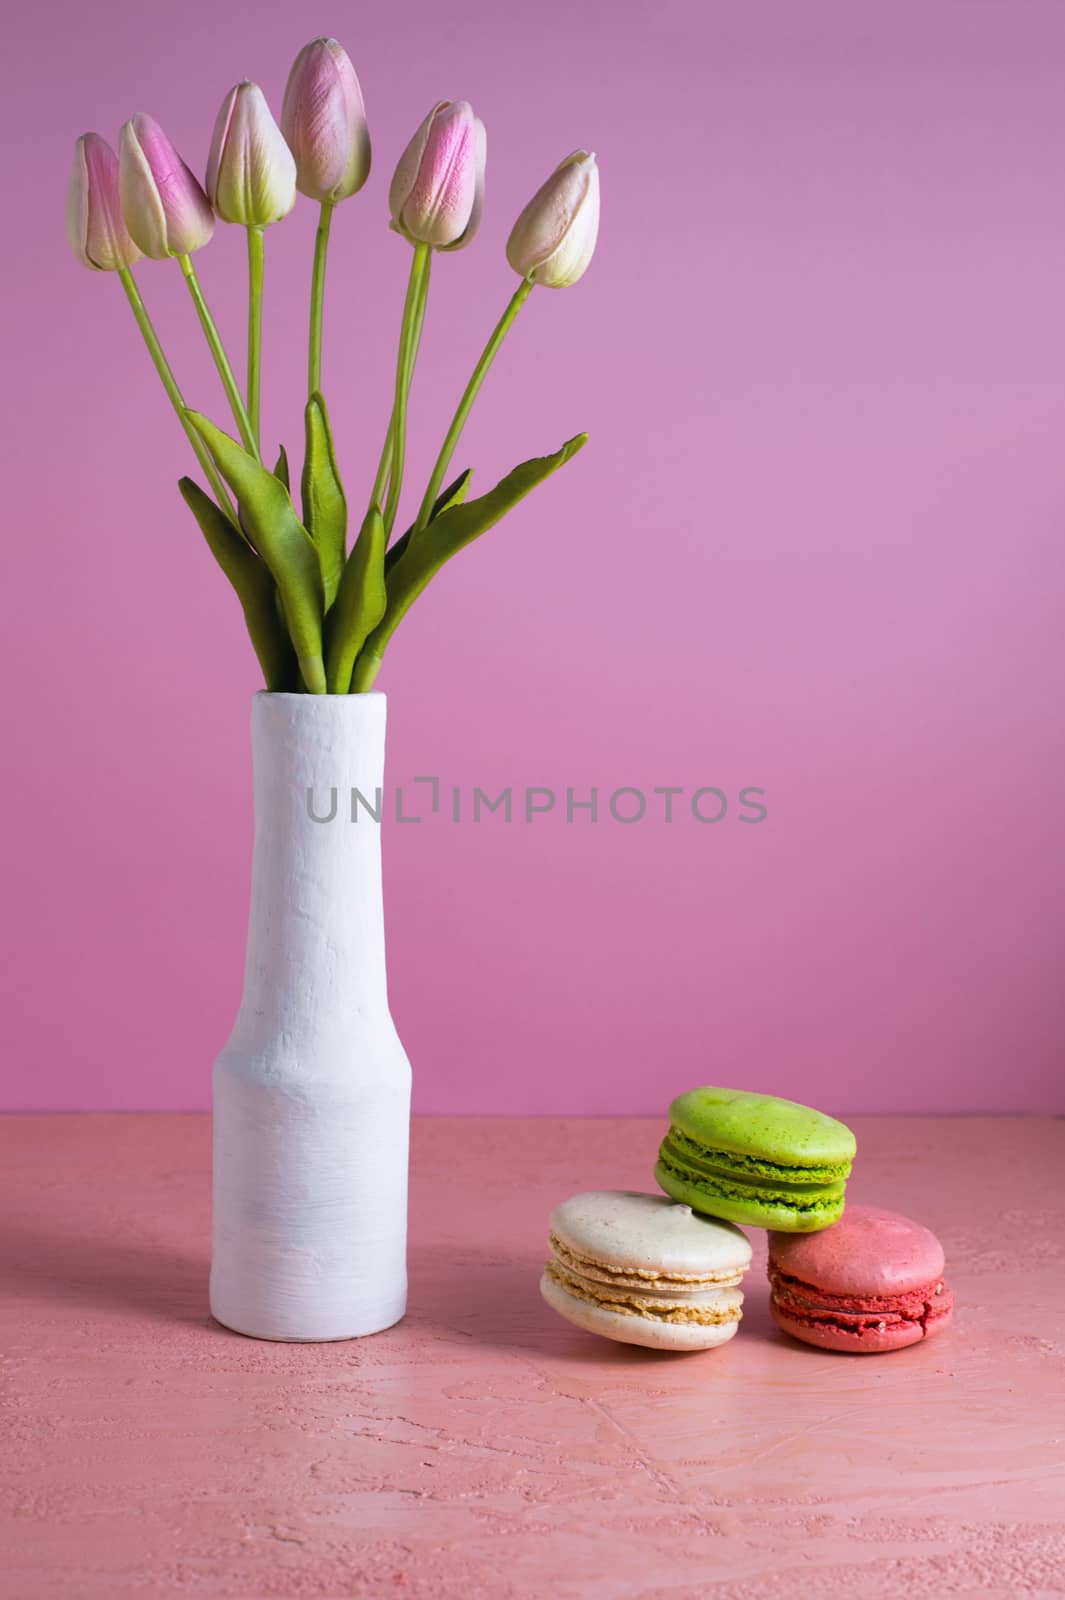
(641, 1269)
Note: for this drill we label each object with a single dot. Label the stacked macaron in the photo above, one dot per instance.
(665, 1273)
(754, 1158)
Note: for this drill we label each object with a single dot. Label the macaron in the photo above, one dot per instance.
(638, 1269)
(756, 1159)
(871, 1282)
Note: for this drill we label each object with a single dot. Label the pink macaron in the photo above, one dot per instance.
(871, 1282)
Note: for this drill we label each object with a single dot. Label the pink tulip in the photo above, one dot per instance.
(553, 240)
(324, 120)
(96, 227)
(251, 176)
(165, 208)
(437, 194)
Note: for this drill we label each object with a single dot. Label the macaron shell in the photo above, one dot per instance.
(622, 1328)
(644, 1236)
(762, 1125)
(759, 1209)
(827, 1336)
(868, 1336)
(869, 1251)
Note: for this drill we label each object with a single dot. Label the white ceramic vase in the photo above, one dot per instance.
(312, 1092)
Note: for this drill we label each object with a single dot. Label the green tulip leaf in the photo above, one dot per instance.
(325, 511)
(281, 540)
(453, 495)
(455, 528)
(251, 579)
(281, 466)
(360, 602)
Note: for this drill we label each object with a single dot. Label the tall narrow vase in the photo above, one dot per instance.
(312, 1092)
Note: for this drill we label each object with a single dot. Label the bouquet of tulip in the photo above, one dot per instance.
(319, 614)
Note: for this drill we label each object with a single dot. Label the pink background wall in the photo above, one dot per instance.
(815, 546)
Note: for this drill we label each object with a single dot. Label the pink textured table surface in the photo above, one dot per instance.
(484, 1447)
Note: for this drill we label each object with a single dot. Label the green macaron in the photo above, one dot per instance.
(756, 1159)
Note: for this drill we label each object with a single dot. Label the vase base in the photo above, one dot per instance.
(308, 1338)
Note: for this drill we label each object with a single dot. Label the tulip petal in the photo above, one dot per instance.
(78, 204)
(554, 238)
(323, 118)
(219, 140)
(95, 225)
(165, 208)
(406, 174)
(480, 157)
(251, 173)
(570, 259)
(445, 189)
(141, 204)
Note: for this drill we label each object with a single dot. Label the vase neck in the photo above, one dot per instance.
(316, 951)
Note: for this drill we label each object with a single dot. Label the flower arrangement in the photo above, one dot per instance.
(320, 614)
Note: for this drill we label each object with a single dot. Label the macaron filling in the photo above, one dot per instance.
(604, 1272)
(859, 1315)
(708, 1308)
(741, 1168)
(795, 1196)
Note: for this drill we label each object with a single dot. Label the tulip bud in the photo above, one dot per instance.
(165, 208)
(251, 176)
(96, 227)
(437, 193)
(553, 240)
(324, 120)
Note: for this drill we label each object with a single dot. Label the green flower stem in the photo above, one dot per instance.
(321, 248)
(410, 356)
(380, 483)
(404, 376)
(480, 372)
(414, 342)
(170, 384)
(255, 325)
(390, 470)
(221, 360)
